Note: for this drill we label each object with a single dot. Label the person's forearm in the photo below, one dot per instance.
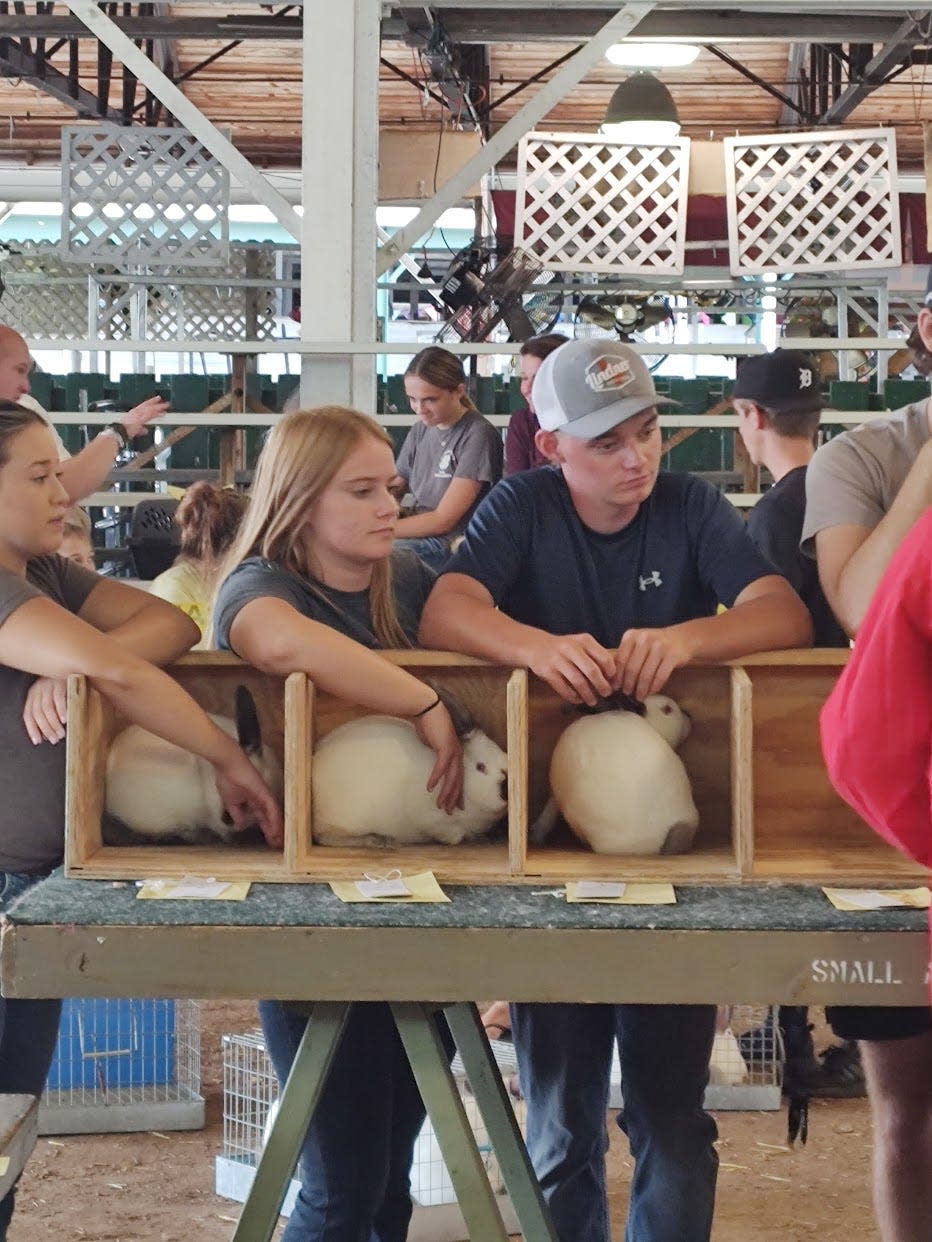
(156, 637)
(422, 525)
(457, 621)
(342, 667)
(772, 622)
(150, 698)
(86, 471)
(859, 578)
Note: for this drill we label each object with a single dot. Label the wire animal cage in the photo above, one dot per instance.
(125, 1065)
(746, 1066)
(250, 1089)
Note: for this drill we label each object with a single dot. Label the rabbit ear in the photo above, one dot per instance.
(617, 701)
(463, 722)
(248, 733)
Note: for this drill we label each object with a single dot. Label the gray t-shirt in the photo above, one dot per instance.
(854, 478)
(32, 778)
(346, 611)
(431, 457)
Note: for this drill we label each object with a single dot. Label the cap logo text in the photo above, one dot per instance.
(607, 373)
(805, 377)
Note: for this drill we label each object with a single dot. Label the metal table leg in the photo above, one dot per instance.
(454, 1134)
(296, 1107)
(498, 1115)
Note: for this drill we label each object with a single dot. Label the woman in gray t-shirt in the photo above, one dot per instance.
(450, 457)
(57, 618)
(314, 585)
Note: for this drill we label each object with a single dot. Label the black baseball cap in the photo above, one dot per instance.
(787, 379)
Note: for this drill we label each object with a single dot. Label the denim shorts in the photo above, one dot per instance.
(871, 1022)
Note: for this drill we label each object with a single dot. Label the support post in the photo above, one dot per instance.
(339, 161)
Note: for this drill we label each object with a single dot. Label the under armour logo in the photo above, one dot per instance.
(805, 377)
(653, 579)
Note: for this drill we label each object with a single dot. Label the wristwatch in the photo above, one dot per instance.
(119, 433)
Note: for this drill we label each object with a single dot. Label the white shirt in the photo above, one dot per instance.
(30, 403)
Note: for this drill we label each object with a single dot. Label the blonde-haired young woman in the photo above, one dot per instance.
(314, 585)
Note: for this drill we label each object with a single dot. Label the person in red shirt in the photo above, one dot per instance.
(521, 451)
(884, 773)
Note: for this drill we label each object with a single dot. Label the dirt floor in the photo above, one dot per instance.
(159, 1188)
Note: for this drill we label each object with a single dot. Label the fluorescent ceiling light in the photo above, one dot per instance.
(652, 55)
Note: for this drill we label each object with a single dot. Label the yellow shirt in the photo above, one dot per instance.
(183, 586)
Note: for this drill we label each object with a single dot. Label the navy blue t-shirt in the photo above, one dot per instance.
(685, 552)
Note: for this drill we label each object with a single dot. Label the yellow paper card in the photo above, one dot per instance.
(878, 898)
(193, 888)
(4, 1164)
(633, 895)
(421, 887)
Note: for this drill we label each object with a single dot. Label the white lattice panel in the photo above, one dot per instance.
(47, 298)
(818, 202)
(142, 195)
(588, 204)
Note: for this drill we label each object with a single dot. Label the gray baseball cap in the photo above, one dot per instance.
(587, 387)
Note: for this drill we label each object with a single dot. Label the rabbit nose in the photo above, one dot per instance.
(503, 787)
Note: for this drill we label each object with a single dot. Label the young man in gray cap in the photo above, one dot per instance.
(598, 574)
(865, 491)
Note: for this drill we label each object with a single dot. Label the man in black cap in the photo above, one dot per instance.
(599, 573)
(778, 400)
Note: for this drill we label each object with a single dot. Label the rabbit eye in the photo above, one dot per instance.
(667, 709)
(480, 767)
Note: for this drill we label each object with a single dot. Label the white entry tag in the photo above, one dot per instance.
(383, 888)
(592, 889)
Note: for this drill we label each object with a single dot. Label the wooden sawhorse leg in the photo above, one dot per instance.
(497, 1113)
(454, 1133)
(295, 1108)
(438, 1089)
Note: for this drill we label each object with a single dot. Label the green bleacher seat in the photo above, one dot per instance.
(692, 394)
(94, 385)
(484, 395)
(849, 395)
(42, 386)
(133, 388)
(897, 392)
(395, 391)
(187, 393)
(286, 385)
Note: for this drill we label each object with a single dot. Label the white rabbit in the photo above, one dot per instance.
(158, 790)
(369, 783)
(727, 1067)
(619, 784)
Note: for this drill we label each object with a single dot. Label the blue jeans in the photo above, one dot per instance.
(356, 1160)
(564, 1060)
(28, 1034)
(434, 550)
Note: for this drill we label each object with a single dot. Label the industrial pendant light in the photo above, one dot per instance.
(641, 111)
